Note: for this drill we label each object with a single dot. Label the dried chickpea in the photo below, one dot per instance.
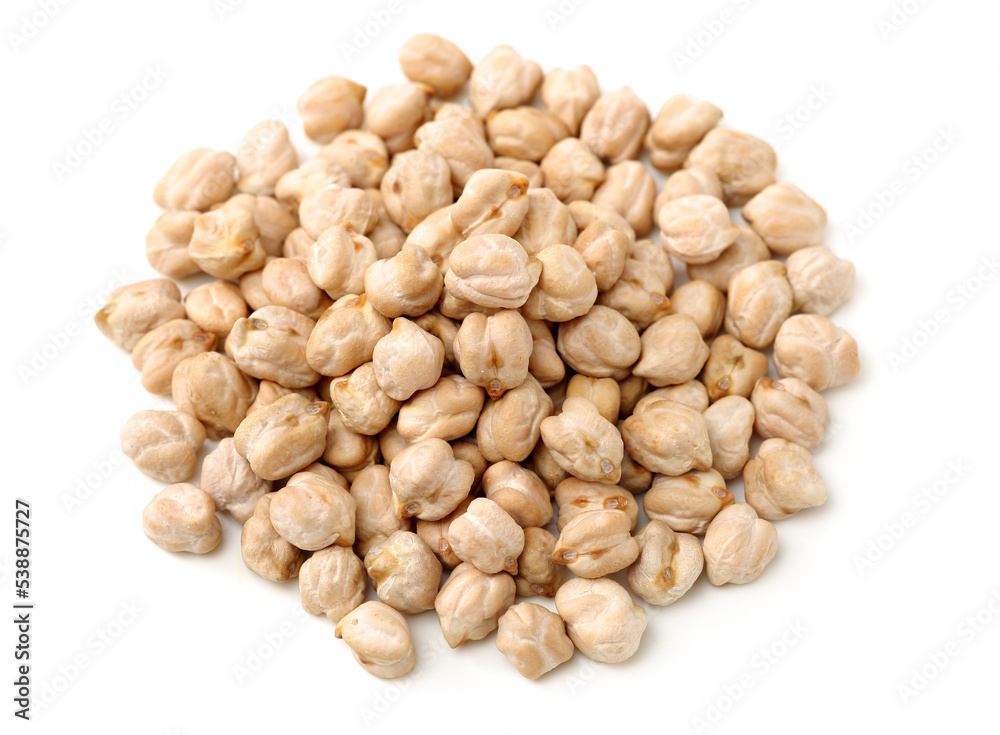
(196, 181)
(502, 79)
(615, 125)
(583, 442)
(566, 287)
(537, 572)
(571, 170)
(673, 351)
(732, 368)
(283, 437)
(492, 271)
(629, 189)
(510, 426)
(570, 93)
(438, 236)
(533, 639)
(163, 444)
(652, 255)
(696, 229)
(744, 163)
(544, 365)
(812, 348)
(635, 478)
(134, 310)
(821, 282)
(692, 394)
(680, 125)
(328, 206)
(689, 502)
(181, 517)
(604, 250)
(332, 582)
(161, 349)
(427, 481)
(524, 132)
(268, 392)
(687, 182)
(703, 302)
(470, 603)
(252, 289)
(318, 173)
(167, 244)
(493, 351)
(273, 221)
(226, 242)
(738, 545)
(228, 478)
(375, 516)
(604, 393)
(435, 534)
(574, 496)
(407, 359)
(519, 492)
(669, 438)
(265, 155)
(264, 551)
(759, 300)
(287, 283)
(632, 389)
(781, 480)
(601, 619)
(668, 564)
(417, 184)
(361, 155)
(785, 218)
(600, 344)
(454, 112)
(487, 537)
(639, 294)
(345, 336)
(546, 222)
(435, 61)
(529, 169)
(364, 407)
(730, 426)
(746, 250)
(379, 638)
(396, 111)
(313, 512)
(271, 344)
(596, 543)
(789, 409)
(211, 388)
(404, 572)
(408, 284)
(463, 147)
(330, 106)
(447, 410)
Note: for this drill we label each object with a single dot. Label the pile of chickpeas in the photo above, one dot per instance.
(449, 318)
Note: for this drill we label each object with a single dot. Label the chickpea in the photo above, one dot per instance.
(687, 503)
(163, 444)
(181, 517)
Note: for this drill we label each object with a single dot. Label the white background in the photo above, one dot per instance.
(889, 91)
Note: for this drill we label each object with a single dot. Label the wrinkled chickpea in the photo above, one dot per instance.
(781, 480)
(789, 409)
(668, 565)
(435, 61)
(732, 368)
(447, 410)
(264, 155)
(730, 426)
(167, 244)
(332, 582)
(604, 250)
(435, 534)
(460, 145)
(330, 106)
(812, 348)
(524, 132)
(744, 163)
(696, 229)
(759, 301)
(596, 543)
(546, 222)
(601, 619)
(537, 571)
(215, 307)
(503, 79)
(574, 496)
(669, 438)
(533, 639)
(181, 517)
(566, 287)
(375, 516)
(785, 218)
(407, 359)
(821, 282)
(680, 125)
(691, 394)
(570, 93)
(703, 302)
(379, 638)
(510, 426)
(196, 181)
(396, 111)
(583, 442)
(211, 388)
(263, 549)
(161, 349)
(134, 310)
(407, 284)
(427, 481)
(313, 512)
(226, 243)
(616, 125)
(689, 502)
(163, 444)
(491, 271)
(746, 250)
(283, 437)
(404, 572)
(364, 407)
(601, 344)
(345, 336)
(319, 173)
(738, 545)
(629, 189)
(493, 351)
(471, 602)
(604, 393)
(487, 537)
(673, 351)
(571, 170)
(228, 478)
(417, 184)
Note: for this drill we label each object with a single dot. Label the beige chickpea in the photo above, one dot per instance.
(746, 250)
(669, 438)
(574, 496)
(331, 206)
(364, 407)
(226, 242)
(494, 202)
(524, 132)
(404, 572)
(427, 481)
(271, 344)
(228, 478)
(537, 572)
(263, 549)
(387, 238)
(688, 182)
(789, 409)
(635, 478)
(317, 173)
(313, 512)
(273, 220)
(396, 111)
(215, 307)
(547, 222)
(680, 125)
(821, 282)
(438, 236)
(738, 545)
(211, 388)
(407, 284)
(758, 302)
(487, 537)
(134, 310)
(687, 503)
(596, 543)
(435, 61)
(197, 180)
(463, 147)
(604, 250)
(287, 283)
(407, 359)
(533, 639)
(529, 169)
(161, 349)
(703, 302)
(391, 442)
(345, 336)
(519, 492)
(331, 105)
(363, 156)
(600, 344)
(181, 517)
(629, 189)
(493, 351)
(283, 437)
(460, 113)
(812, 348)
(668, 565)
(785, 218)
(571, 170)
(732, 368)
(632, 388)
(583, 442)
(570, 93)
(163, 444)
(566, 287)
(650, 254)
(167, 244)
(468, 449)
(379, 638)
(544, 365)
(586, 213)
(265, 155)
(781, 480)
(691, 394)
(510, 426)
(332, 582)
(616, 125)
(696, 229)
(639, 294)
(375, 516)
(744, 163)
(730, 426)
(435, 534)
(347, 451)
(604, 393)
(501, 80)
(417, 184)
(268, 392)
(601, 619)
(447, 410)
(470, 603)
(492, 271)
(673, 351)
